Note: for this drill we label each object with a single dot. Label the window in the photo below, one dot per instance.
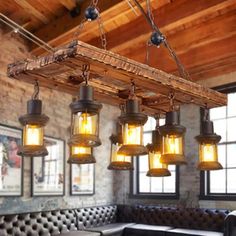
(221, 184)
(158, 187)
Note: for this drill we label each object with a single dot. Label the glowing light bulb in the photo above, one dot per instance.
(173, 144)
(86, 124)
(156, 160)
(33, 135)
(133, 134)
(80, 150)
(208, 152)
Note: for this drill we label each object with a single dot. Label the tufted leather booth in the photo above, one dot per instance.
(190, 218)
(114, 220)
(95, 216)
(38, 223)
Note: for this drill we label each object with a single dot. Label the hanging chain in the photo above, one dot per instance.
(171, 97)
(157, 118)
(79, 29)
(150, 20)
(35, 95)
(85, 72)
(132, 89)
(102, 32)
(94, 3)
(206, 112)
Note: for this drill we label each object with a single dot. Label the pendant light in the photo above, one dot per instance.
(156, 168)
(172, 138)
(85, 116)
(81, 155)
(208, 140)
(33, 127)
(118, 161)
(132, 121)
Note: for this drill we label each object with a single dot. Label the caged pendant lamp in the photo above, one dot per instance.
(33, 127)
(85, 116)
(208, 140)
(156, 168)
(118, 161)
(132, 120)
(172, 138)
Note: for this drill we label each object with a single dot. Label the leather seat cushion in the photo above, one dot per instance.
(79, 233)
(186, 232)
(146, 230)
(115, 229)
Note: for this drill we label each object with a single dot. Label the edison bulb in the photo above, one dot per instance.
(33, 135)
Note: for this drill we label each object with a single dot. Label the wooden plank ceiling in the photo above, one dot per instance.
(110, 75)
(203, 33)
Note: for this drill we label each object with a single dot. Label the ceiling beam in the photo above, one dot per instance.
(69, 4)
(32, 11)
(168, 18)
(61, 30)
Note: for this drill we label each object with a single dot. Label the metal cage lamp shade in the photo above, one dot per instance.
(33, 128)
(85, 119)
(208, 151)
(173, 140)
(132, 121)
(118, 161)
(81, 155)
(156, 168)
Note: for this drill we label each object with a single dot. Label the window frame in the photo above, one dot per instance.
(205, 193)
(134, 184)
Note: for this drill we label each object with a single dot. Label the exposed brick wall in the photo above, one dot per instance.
(13, 98)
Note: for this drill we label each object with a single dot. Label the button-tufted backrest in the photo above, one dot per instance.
(192, 218)
(38, 223)
(95, 216)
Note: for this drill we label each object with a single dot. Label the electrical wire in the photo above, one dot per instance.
(21, 30)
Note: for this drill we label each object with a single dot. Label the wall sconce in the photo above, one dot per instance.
(85, 116)
(208, 140)
(118, 161)
(172, 138)
(33, 127)
(132, 121)
(156, 168)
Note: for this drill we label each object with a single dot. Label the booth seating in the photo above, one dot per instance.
(121, 220)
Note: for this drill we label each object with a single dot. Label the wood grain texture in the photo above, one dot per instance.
(55, 71)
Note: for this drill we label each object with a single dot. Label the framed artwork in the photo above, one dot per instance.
(48, 173)
(82, 179)
(11, 164)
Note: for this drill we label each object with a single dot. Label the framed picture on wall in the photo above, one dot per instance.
(82, 179)
(11, 164)
(48, 172)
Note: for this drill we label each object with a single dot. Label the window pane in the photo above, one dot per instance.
(169, 183)
(156, 185)
(144, 183)
(147, 138)
(217, 181)
(171, 167)
(150, 124)
(220, 129)
(218, 113)
(222, 155)
(231, 127)
(143, 163)
(231, 155)
(231, 183)
(231, 104)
